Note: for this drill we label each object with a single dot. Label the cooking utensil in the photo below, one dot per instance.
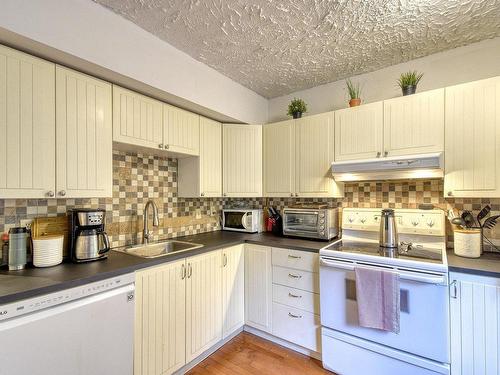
(483, 213)
(490, 222)
(468, 218)
(459, 221)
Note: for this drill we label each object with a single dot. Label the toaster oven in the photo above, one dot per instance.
(317, 223)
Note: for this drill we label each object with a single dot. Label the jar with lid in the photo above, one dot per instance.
(18, 238)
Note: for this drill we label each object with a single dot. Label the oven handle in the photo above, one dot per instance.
(404, 275)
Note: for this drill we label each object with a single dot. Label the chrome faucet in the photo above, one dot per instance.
(146, 234)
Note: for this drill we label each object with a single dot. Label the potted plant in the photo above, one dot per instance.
(408, 82)
(354, 91)
(296, 108)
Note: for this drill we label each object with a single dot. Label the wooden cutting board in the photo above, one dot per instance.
(50, 226)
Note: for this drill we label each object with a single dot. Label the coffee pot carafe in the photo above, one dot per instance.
(388, 236)
(88, 240)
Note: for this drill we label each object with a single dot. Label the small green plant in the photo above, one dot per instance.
(296, 107)
(411, 78)
(354, 89)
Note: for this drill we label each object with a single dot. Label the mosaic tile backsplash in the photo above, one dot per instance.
(138, 178)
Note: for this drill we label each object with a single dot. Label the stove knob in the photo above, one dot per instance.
(430, 222)
(363, 220)
(414, 222)
(350, 219)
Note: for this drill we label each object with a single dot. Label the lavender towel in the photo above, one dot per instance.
(378, 299)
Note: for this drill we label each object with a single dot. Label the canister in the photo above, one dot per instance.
(468, 243)
(18, 238)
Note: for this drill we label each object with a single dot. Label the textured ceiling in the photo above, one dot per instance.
(276, 47)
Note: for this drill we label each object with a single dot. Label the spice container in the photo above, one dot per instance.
(18, 238)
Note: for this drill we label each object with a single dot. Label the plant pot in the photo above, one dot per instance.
(354, 102)
(409, 90)
(297, 115)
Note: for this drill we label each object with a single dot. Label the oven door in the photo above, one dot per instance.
(301, 223)
(236, 220)
(424, 319)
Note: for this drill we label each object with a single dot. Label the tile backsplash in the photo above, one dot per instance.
(138, 178)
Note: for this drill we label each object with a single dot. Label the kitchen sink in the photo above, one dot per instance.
(159, 249)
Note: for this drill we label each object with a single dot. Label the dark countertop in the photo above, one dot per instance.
(32, 282)
(487, 265)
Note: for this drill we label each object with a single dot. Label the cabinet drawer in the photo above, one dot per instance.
(300, 260)
(297, 326)
(297, 298)
(308, 281)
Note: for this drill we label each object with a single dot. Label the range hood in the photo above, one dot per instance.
(390, 168)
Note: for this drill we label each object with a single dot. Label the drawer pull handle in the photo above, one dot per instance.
(294, 276)
(294, 316)
(294, 256)
(294, 295)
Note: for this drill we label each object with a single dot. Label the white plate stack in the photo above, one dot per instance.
(47, 251)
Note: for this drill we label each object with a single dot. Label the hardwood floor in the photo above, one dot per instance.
(248, 354)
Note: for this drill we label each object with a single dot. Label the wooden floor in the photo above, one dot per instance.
(248, 354)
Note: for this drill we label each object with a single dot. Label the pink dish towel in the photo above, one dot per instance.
(377, 293)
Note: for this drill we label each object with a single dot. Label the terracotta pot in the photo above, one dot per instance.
(297, 115)
(354, 102)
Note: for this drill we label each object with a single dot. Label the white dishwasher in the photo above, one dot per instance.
(86, 330)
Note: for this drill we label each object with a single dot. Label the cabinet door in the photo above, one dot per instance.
(314, 143)
(358, 132)
(242, 160)
(475, 329)
(181, 130)
(414, 124)
(233, 289)
(160, 319)
(472, 139)
(84, 149)
(258, 287)
(279, 159)
(27, 126)
(137, 119)
(210, 158)
(203, 303)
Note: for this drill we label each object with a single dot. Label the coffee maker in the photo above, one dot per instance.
(87, 239)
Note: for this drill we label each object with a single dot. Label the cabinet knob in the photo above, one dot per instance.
(291, 194)
(224, 194)
(202, 194)
(296, 194)
(166, 147)
(62, 193)
(378, 154)
(160, 146)
(386, 153)
(450, 193)
(50, 194)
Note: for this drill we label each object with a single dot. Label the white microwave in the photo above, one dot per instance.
(243, 220)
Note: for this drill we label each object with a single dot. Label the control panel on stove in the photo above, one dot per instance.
(408, 221)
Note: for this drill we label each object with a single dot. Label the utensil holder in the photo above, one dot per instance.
(468, 242)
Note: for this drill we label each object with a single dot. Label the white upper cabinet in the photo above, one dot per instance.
(358, 132)
(27, 126)
(472, 134)
(202, 177)
(414, 124)
(242, 160)
(314, 153)
(279, 159)
(181, 130)
(84, 150)
(137, 119)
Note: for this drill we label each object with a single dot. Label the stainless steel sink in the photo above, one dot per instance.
(159, 249)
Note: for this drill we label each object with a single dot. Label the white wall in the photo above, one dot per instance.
(89, 37)
(469, 63)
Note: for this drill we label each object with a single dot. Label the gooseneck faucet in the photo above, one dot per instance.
(146, 234)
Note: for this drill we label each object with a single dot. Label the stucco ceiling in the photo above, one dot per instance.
(276, 47)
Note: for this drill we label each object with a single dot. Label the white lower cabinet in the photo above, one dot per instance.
(203, 303)
(475, 329)
(233, 289)
(258, 287)
(160, 319)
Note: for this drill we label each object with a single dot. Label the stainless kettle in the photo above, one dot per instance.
(388, 236)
